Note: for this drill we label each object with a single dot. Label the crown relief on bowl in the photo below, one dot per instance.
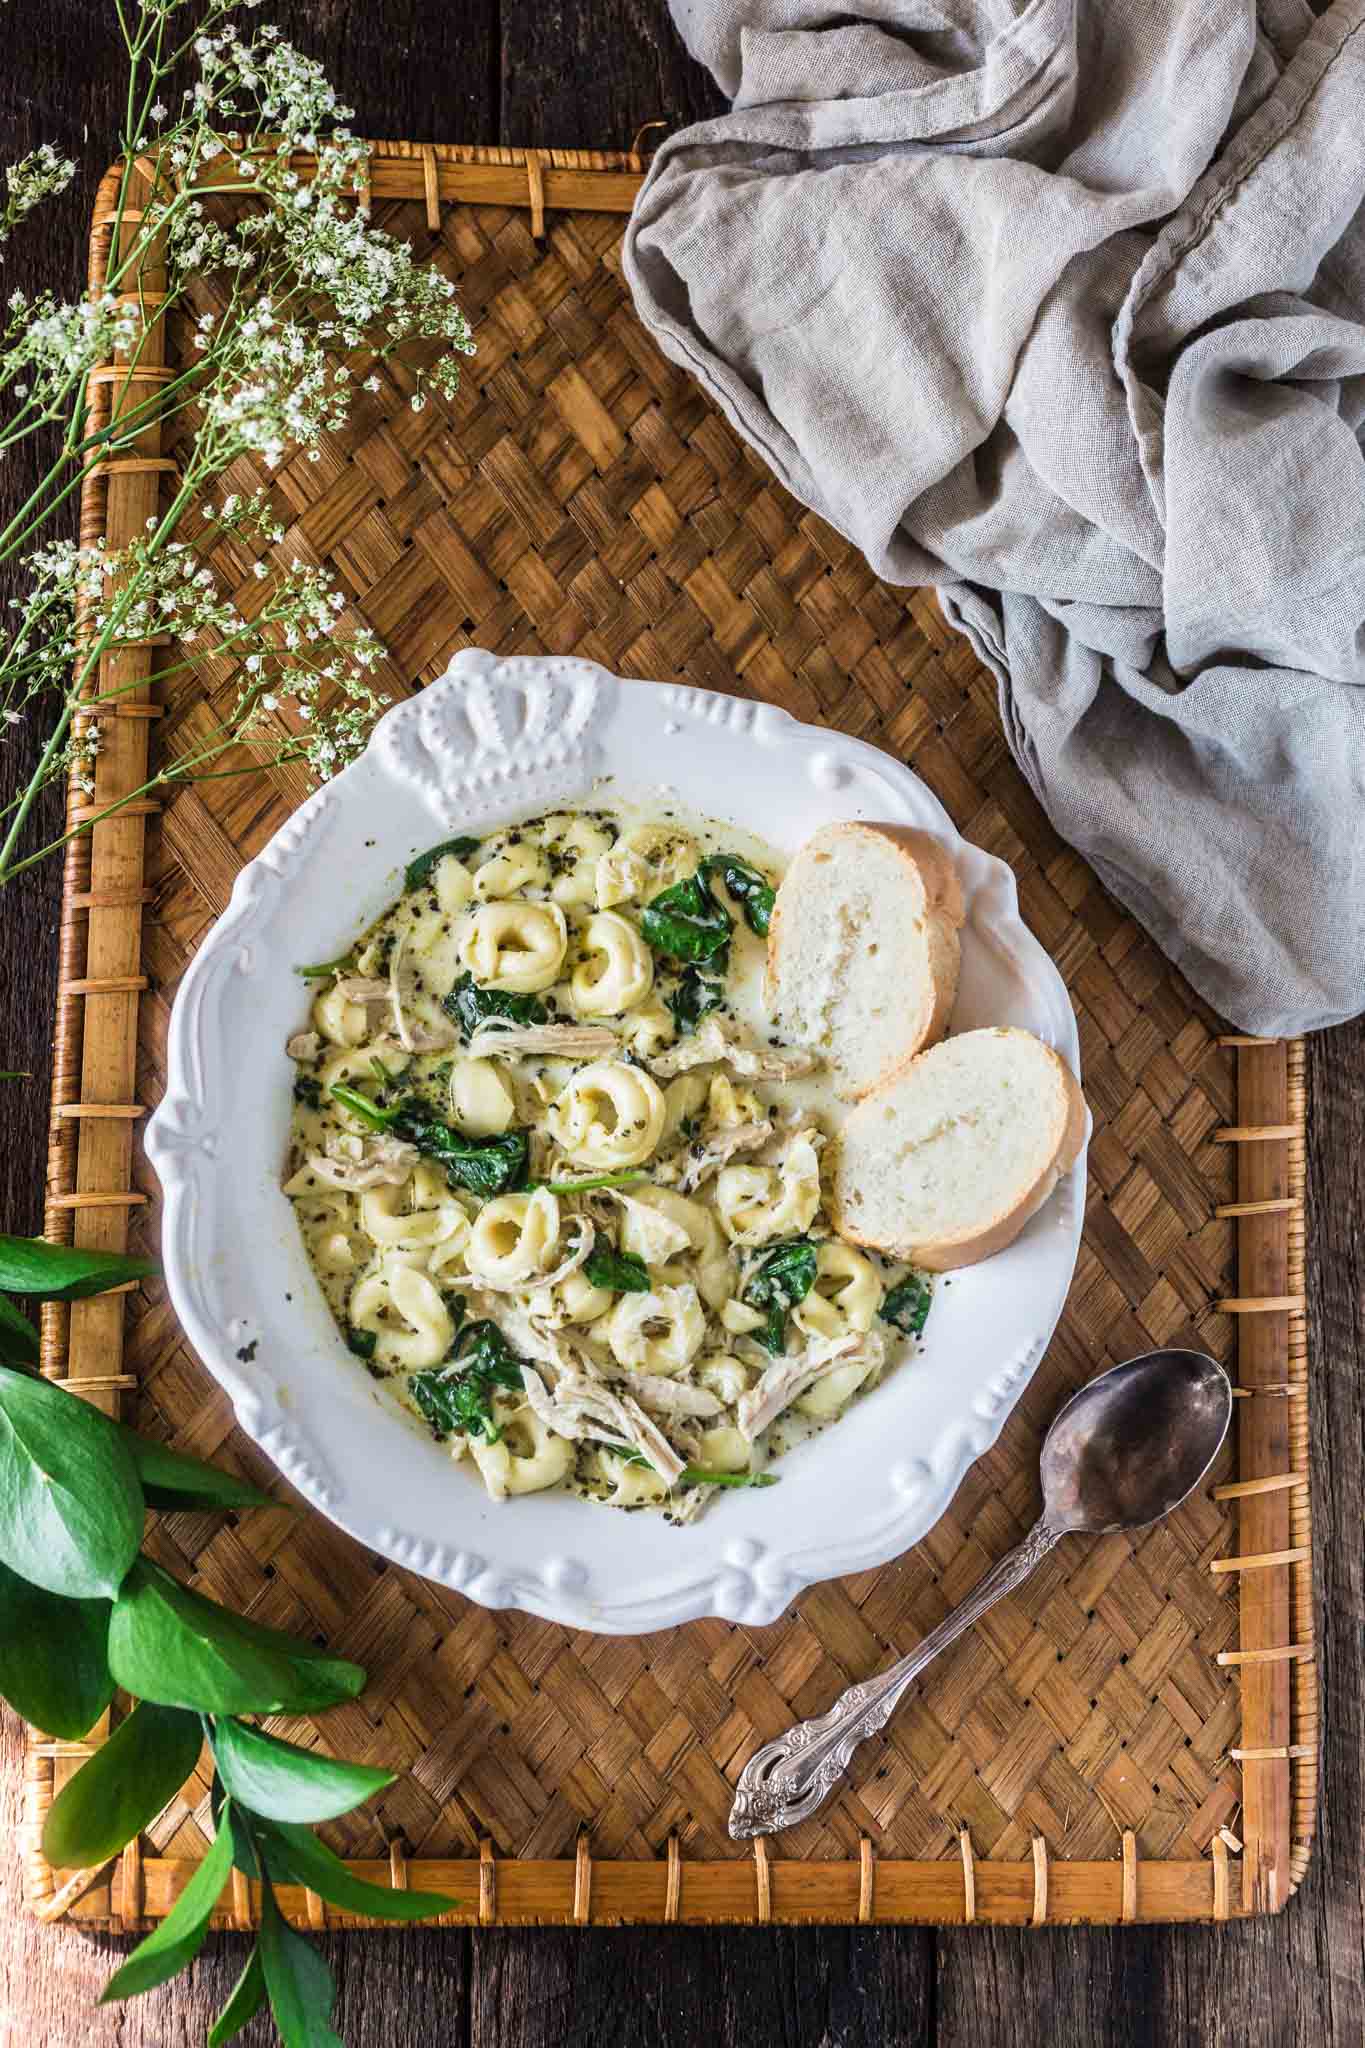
(843, 1501)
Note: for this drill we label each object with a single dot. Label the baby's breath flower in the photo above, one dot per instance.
(39, 175)
(294, 280)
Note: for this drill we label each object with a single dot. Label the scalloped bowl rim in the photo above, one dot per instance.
(491, 740)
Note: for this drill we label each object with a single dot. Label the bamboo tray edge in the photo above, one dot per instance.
(90, 1196)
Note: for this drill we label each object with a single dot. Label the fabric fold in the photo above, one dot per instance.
(1062, 308)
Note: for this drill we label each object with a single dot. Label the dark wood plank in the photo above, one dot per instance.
(587, 73)
(616, 1989)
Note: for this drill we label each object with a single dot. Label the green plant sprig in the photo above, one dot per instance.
(84, 1613)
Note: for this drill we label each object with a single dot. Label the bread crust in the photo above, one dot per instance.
(946, 1255)
(931, 868)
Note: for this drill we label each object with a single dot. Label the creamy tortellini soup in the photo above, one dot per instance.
(561, 1184)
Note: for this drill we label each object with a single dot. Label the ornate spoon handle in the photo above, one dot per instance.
(789, 1778)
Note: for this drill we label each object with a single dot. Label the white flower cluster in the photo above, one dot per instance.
(39, 175)
(49, 345)
(274, 387)
(265, 246)
(301, 683)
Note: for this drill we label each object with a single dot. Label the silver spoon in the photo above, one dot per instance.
(1121, 1453)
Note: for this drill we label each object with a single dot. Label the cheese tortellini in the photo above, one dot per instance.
(340, 1021)
(421, 1215)
(658, 1332)
(513, 1238)
(610, 1115)
(401, 1308)
(514, 947)
(518, 865)
(543, 1166)
(617, 970)
(845, 1296)
(758, 1204)
(480, 1098)
(644, 861)
(526, 1458)
(575, 845)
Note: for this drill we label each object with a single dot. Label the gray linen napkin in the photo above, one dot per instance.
(1060, 305)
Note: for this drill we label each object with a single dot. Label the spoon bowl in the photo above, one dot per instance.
(1131, 1445)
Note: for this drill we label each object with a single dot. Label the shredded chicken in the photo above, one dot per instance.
(674, 1397)
(584, 1407)
(655, 1236)
(708, 1157)
(362, 988)
(359, 1163)
(568, 1041)
(787, 1378)
(539, 1283)
(304, 1045)
(717, 1041)
(411, 1036)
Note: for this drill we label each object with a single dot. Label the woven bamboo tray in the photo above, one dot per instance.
(1134, 1725)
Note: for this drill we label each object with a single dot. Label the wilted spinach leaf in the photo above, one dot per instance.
(483, 1166)
(622, 1272)
(417, 870)
(755, 895)
(471, 1006)
(692, 999)
(907, 1304)
(686, 922)
(459, 1396)
(785, 1277)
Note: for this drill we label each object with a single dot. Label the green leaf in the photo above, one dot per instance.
(122, 1787)
(283, 1782)
(169, 1644)
(248, 1996)
(470, 1006)
(62, 1272)
(181, 1934)
(751, 890)
(173, 1479)
(622, 1272)
(361, 1106)
(417, 870)
(694, 998)
(462, 1400)
(483, 1166)
(628, 1177)
(296, 1856)
(907, 1305)
(695, 1475)
(686, 922)
(70, 1505)
(784, 1278)
(54, 1659)
(323, 968)
(301, 1988)
(18, 1338)
(362, 1342)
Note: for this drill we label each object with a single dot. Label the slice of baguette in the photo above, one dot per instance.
(863, 950)
(945, 1165)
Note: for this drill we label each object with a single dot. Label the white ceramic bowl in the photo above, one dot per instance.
(491, 741)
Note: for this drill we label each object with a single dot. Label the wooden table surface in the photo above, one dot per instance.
(589, 72)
